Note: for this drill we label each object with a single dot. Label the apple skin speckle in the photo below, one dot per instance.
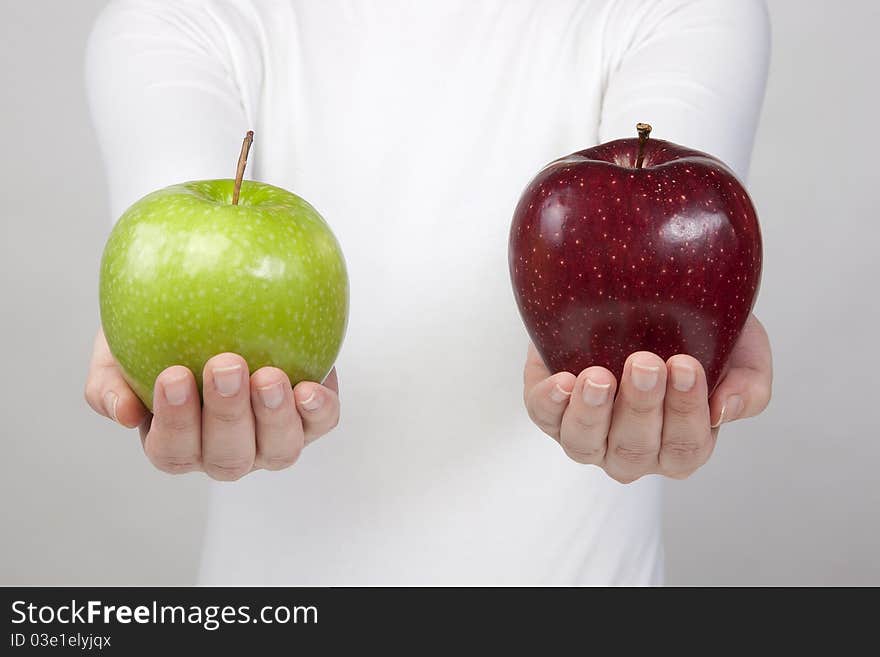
(606, 259)
(186, 275)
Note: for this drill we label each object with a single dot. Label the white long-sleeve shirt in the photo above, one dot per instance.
(413, 127)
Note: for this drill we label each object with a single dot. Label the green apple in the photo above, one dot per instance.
(187, 275)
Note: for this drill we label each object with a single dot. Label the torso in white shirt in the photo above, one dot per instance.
(413, 127)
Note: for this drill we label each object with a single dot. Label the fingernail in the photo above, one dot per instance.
(312, 403)
(272, 395)
(595, 394)
(733, 406)
(683, 377)
(227, 380)
(558, 395)
(177, 391)
(110, 401)
(644, 377)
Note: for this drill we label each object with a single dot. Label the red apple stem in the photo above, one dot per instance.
(644, 132)
(242, 163)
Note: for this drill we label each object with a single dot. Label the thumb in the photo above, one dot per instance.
(743, 393)
(745, 389)
(107, 392)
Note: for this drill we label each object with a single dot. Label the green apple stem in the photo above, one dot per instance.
(242, 163)
(644, 132)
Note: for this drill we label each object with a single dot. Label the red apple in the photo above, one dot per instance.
(635, 244)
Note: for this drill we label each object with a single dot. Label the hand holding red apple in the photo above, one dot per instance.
(656, 419)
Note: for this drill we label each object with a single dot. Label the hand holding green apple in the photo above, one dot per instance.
(202, 284)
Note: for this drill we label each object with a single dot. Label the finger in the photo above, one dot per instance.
(228, 441)
(547, 400)
(535, 370)
(742, 393)
(279, 428)
(585, 423)
(687, 440)
(545, 394)
(172, 440)
(746, 388)
(106, 390)
(637, 420)
(318, 407)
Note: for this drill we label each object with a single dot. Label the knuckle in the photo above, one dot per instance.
(683, 406)
(228, 414)
(175, 464)
(585, 423)
(686, 451)
(586, 455)
(642, 408)
(229, 469)
(175, 423)
(280, 461)
(635, 454)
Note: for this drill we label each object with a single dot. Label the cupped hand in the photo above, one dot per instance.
(656, 419)
(247, 422)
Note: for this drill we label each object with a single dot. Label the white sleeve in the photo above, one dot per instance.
(694, 69)
(172, 87)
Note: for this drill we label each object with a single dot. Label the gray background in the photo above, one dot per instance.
(788, 498)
